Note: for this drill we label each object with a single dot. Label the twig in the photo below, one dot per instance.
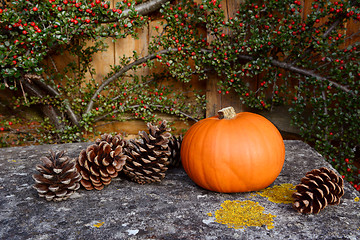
(47, 110)
(326, 33)
(310, 73)
(121, 72)
(326, 113)
(23, 92)
(136, 106)
(37, 79)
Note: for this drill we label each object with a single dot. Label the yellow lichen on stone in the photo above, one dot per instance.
(279, 193)
(99, 224)
(242, 214)
(356, 199)
(209, 214)
(252, 195)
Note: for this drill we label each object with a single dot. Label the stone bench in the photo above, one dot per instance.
(174, 209)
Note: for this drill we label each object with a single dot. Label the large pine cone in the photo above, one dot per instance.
(174, 147)
(58, 178)
(148, 156)
(317, 189)
(101, 162)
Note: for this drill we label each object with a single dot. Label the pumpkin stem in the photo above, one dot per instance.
(227, 113)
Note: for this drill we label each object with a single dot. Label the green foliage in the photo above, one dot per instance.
(268, 40)
(15, 131)
(32, 33)
(271, 41)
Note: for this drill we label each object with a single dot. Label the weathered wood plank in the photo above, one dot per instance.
(101, 61)
(216, 101)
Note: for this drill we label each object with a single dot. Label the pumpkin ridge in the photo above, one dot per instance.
(244, 135)
(217, 133)
(192, 133)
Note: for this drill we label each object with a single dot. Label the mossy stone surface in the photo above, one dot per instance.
(175, 208)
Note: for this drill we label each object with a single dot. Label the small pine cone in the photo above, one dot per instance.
(58, 178)
(101, 162)
(317, 189)
(148, 156)
(174, 146)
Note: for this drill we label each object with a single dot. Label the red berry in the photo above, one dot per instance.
(35, 9)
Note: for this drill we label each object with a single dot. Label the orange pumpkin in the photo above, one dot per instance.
(233, 152)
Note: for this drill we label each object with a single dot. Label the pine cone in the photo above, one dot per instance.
(101, 162)
(57, 178)
(317, 189)
(174, 147)
(148, 156)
